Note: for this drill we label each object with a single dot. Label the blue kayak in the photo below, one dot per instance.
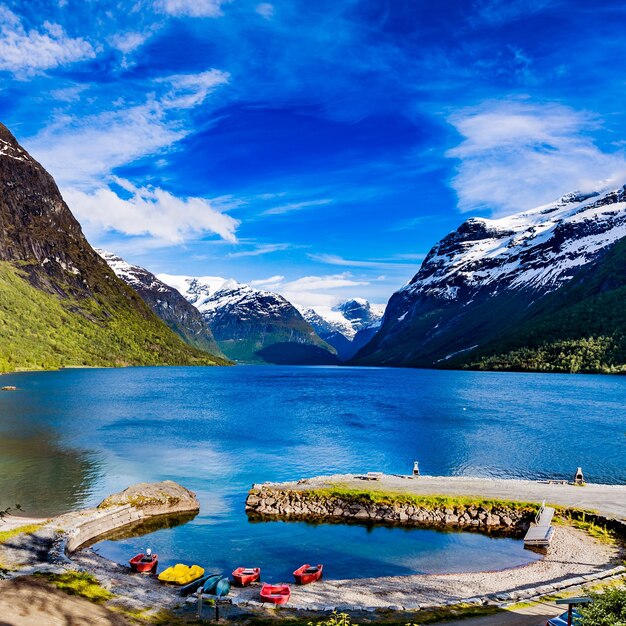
(192, 587)
(222, 587)
(210, 583)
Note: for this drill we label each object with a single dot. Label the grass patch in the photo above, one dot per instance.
(601, 533)
(28, 529)
(578, 519)
(431, 502)
(79, 584)
(112, 327)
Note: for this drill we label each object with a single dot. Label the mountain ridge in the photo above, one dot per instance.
(166, 302)
(252, 325)
(480, 281)
(348, 326)
(91, 317)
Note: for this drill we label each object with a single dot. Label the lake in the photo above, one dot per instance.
(69, 438)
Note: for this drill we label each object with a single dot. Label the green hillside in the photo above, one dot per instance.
(581, 327)
(39, 330)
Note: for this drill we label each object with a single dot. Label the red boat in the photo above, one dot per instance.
(143, 563)
(278, 594)
(308, 574)
(243, 576)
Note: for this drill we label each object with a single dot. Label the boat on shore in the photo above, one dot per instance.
(276, 594)
(244, 576)
(306, 574)
(192, 587)
(144, 563)
(181, 574)
(221, 587)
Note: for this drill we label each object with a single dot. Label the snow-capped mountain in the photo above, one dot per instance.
(168, 304)
(252, 325)
(348, 326)
(487, 275)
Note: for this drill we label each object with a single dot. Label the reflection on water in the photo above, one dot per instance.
(146, 527)
(70, 438)
(43, 477)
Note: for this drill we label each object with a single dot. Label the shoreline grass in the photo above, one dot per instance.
(28, 529)
(80, 584)
(374, 496)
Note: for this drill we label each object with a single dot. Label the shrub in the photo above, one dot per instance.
(607, 609)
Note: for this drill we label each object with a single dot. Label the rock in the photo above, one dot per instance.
(155, 498)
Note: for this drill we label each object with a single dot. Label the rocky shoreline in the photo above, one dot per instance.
(574, 559)
(267, 501)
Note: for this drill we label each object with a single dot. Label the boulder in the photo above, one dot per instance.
(155, 498)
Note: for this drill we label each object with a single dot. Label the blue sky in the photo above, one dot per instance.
(317, 148)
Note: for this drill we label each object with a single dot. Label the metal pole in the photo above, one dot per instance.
(217, 610)
(569, 614)
(199, 594)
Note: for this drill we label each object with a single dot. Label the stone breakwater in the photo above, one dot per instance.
(268, 501)
(136, 504)
(54, 542)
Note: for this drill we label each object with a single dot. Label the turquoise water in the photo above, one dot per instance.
(68, 438)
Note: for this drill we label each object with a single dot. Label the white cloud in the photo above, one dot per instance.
(191, 8)
(26, 52)
(516, 155)
(82, 152)
(129, 41)
(296, 206)
(267, 283)
(189, 90)
(266, 248)
(149, 211)
(266, 10)
(319, 291)
(333, 259)
(69, 94)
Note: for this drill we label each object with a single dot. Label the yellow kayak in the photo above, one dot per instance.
(181, 574)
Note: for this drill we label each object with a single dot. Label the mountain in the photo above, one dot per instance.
(167, 303)
(347, 327)
(60, 303)
(494, 281)
(253, 326)
(579, 327)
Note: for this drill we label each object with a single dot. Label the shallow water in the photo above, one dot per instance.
(68, 438)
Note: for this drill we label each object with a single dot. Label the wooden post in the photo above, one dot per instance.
(569, 614)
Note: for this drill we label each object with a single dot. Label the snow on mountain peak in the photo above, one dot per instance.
(346, 318)
(133, 275)
(538, 249)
